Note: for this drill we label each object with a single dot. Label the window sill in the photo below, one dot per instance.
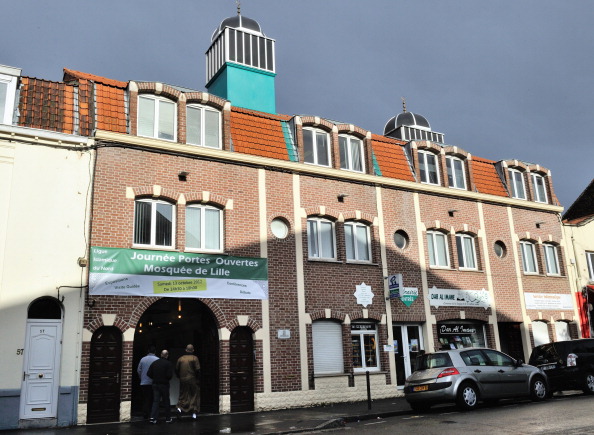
(465, 269)
(155, 248)
(199, 251)
(361, 263)
(555, 275)
(440, 267)
(532, 274)
(324, 260)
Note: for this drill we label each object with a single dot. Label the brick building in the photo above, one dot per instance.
(295, 252)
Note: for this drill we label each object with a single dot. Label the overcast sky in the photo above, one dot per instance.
(503, 79)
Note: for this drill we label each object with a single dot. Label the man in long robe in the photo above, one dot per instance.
(187, 370)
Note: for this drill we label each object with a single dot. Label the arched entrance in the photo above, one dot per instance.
(105, 368)
(172, 323)
(41, 365)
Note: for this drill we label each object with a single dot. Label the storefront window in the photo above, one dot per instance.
(365, 347)
(461, 334)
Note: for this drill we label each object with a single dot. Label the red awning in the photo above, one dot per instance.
(591, 287)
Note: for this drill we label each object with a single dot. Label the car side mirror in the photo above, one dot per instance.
(519, 363)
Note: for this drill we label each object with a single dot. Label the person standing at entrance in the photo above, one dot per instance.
(187, 370)
(146, 383)
(161, 372)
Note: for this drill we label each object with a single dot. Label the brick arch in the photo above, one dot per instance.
(252, 323)
(468, 229)
(312, 121)
(539, 169)
(442, 316)
(530, 239)
(148, 192)
(358, 216)
(372, 315)
(205, 99)
(534, 318)
(430, 226)
(206, 198)
(321, 315)
(321, 211)
(516, 165)
(556, 317)
(428, 146)
(166, 91)
(352, 129)
(97, 322)
(452, 150)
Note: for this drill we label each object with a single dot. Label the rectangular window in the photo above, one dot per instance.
(428, 168)
(8, 84)
(466, 251)
(456, 177)
(156, 118)
(316, 149)
(3, 100)
(552, 261)
(529, 257)
(351, 153)
(438, 249)
(203, 127)
(357, 242)
(516, 179)
(320, 238)
(590, 261)
(540, 192)
(153, 223)
(365, 347)
(203, 228)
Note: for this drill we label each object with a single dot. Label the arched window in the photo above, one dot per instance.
(153, 223)
(516, 180)
(529, 259)
(204, 228)
(456, 172)
(428, 167)
(316, 147)
(351, 153)
(45, 308)
(157, 117)
(540, 333)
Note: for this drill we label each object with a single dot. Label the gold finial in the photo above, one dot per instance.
(403, 104)
(238, 3)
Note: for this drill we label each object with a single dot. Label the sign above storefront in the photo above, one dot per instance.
(135, 272)
(441, 297)
(548, 301)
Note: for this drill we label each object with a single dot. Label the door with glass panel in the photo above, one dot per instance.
(408, 343)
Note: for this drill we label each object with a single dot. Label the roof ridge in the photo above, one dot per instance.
(73, 74)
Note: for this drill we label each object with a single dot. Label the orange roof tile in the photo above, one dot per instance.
(70, 74)
(486, 178)
(258, 133)
(390, 157)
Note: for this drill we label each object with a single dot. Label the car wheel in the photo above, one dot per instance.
(589, 384)
(538, 389)
(419, 407)
(467, 396)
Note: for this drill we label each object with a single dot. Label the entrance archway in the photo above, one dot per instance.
(172, 323)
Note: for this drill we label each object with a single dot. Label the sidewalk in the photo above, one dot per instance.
(285, 421)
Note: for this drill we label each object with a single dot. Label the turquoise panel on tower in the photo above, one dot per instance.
(245, 87)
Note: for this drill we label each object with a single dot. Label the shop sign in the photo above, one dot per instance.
(134, 272)
(441, 297)
(461, 328)
(548, 301)
(394, 285)
(364, 294)
(408, 295)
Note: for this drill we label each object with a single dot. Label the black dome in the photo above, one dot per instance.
(407, 119)
(238, 22)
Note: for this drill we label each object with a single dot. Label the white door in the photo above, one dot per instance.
(39, 392)
(408, 342)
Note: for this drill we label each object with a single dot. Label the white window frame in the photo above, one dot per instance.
(424, 171)
(529, 251)
(514, 175)
(540, 195)
(204, 230)
(590, 261)
(434, 260)
(465, 257)
(551, 259)
(203, 131)
(316, 240)
(315, 133)
(156, 116)
(453, 172)
(358, 252)
(361, 334)
(8, 103)
(328, 354)
(348, 143)
(153, 222)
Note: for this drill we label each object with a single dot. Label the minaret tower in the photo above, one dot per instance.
(240, 64)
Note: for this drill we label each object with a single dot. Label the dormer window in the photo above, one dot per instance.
(516, 181)
(8, 82)
(456, 173)
(316, 147)
(428, 167)
(203, 126)
(539, 186)
(351, 153)
(156, 117)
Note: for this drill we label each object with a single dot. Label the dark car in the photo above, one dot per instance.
(569, 365)
(467, 376)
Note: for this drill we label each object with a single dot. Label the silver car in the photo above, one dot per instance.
(467, 376)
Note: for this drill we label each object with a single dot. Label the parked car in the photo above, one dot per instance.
(569, 365)
(467, 376)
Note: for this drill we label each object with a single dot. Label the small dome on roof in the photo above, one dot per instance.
(407, 119)
(238, 22)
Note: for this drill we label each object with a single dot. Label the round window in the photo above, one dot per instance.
(279, 228)
(401, 239)
(500, 249)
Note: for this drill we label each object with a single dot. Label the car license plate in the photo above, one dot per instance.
(421, 388)
(549, 367)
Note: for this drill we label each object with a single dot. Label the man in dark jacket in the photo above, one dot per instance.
(161, 372)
